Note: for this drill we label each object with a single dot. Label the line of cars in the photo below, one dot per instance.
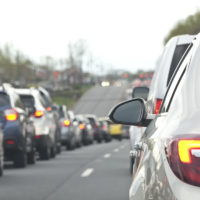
(31, 124)
(167, 154)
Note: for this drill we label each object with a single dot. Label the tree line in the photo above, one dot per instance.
(190, 25)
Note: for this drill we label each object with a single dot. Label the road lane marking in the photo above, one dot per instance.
(116, 150)
(108, 155)
(87, 172)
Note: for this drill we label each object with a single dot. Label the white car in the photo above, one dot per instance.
(172, 54)
(169, 165)
(45, 127)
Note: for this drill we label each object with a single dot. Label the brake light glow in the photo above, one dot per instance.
(82, 126)
(10, 142)
(38, 113)
(11, 115)
(67, 123)
(185, 147)
(157, 105)
(49, 108)
(183, 155)
(37, 136)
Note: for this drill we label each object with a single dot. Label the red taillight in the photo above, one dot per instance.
(38, 113)
(49, 108)
(37, 136)
(66, 123)
(11, 115)
(157, 105)
(82, 126)
(10, 142)
(103, 127)
(184, 159)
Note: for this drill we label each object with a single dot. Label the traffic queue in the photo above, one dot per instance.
(34, 128)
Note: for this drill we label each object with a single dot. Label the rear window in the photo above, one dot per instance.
(4, 100)
(27, 100)
(61, 113)
(179, 51)
(92, 121)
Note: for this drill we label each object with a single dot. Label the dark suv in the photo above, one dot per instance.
(18, 129)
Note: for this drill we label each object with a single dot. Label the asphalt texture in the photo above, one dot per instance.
(95, 172)
(100, 100)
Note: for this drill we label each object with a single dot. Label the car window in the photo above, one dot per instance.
(176, 79)
(4, 100)
(27, 100)
(17, 101)
(178, 53)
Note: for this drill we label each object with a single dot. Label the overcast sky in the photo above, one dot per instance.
(125, 34)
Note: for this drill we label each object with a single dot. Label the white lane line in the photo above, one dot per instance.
(87, 172)
(116, 150)
(108, 155)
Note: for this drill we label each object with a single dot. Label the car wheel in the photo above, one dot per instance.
(99, 140)
(45, 153)
(31, 157)
(20, 160)
(71, 145)
(131, 165)
(53, 151)
(58, 149)
(1, 167)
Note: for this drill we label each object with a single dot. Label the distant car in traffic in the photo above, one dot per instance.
(85, 128)
(49, 104)
(115, 131)
(45, 127)
(18, 129)
(98, 134)
(105, 130)
(68, 137)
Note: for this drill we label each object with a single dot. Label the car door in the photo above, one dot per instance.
(150, 178)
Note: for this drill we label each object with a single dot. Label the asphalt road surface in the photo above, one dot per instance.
(95, 172)
(100, 100)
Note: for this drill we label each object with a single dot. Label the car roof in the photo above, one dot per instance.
(159, 81)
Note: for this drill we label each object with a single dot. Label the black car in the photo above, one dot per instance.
(18, 129)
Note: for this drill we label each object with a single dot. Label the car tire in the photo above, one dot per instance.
(99, 141)
(58, 149)
(45, 153)
(70, 145)
(53, 151)
(31, 157)
(1, 167)
(20, 160)
(131, 165)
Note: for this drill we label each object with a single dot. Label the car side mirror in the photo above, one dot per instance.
(131, 112)
(140, 92)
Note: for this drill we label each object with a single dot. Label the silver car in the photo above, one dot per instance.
(45, 127)
(169, 165)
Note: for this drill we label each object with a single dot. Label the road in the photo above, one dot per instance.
(100, 100)
(95, 172)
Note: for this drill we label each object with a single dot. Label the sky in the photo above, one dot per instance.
(121, 34)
